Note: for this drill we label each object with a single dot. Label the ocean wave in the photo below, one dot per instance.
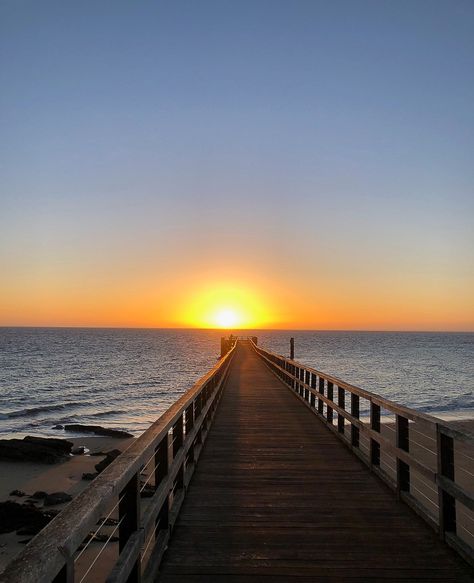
(147, 384)
(41, 409)
(107, 413)
(464, 401)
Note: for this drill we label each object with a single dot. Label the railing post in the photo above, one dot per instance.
(197, 406)
(321, 391)
(447, 503)
(330, 395)
(129, 521)
(403, 443)
(161, 471)
(177, 445)
(67, 573)
(355, 413)
(341, 401)
(189, 418)
(177, 435)
(375, 426)
(292, 349)
(312, 398)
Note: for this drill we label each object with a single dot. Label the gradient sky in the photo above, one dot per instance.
(312, 160)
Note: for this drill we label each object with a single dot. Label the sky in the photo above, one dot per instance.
(303, 164)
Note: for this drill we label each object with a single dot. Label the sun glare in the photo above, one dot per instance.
(226, 319)
(226, 306)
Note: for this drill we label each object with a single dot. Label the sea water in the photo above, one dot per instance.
(126, 378)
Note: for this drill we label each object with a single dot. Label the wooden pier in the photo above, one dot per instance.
(261, 474)
(276, 497)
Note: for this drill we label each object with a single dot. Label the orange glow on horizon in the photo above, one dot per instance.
(225, 306)
(234, 296)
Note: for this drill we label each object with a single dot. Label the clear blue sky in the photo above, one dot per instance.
(331, 137)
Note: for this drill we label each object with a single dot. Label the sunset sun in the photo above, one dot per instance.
(226, 305)
(226, 318)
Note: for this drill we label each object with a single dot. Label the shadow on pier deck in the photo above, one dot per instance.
(277, 497)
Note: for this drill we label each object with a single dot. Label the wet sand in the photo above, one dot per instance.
(66, 477)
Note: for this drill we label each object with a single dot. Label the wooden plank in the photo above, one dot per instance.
(276, 497)
(375, 435)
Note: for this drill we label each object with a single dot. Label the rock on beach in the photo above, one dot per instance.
(97, 430)
(35, 449)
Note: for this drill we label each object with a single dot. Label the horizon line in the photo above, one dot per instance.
(231, 330)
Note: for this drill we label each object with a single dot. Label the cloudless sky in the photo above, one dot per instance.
(317, 156)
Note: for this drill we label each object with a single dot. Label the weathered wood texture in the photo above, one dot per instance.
(277, 497)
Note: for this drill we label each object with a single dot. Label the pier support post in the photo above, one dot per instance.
(341, 401)
(188, 427)
(447, 502)
(292, 348)
(355, 413)
(330, 396)
(178, 439)
(129, 517)
(161, 471)
(320, 401)
(375, 426)
(224, 346)
(312, 398)
(66, 575)
(403, 443)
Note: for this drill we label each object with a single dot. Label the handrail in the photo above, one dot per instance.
(455, 502)
(172, 445)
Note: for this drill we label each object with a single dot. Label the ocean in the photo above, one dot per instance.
(125, 378)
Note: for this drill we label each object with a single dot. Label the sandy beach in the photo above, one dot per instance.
(30, 477)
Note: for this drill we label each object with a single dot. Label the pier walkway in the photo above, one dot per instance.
(277, 497)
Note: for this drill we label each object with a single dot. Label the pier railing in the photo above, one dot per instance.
(117, 529)
(428, 463)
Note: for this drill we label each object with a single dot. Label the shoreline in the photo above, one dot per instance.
(457, 416)
(65, 476)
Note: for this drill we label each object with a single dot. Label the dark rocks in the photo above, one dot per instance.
(57, 498)
(109, 458)
(15, 516)
(58, 427)
(97, 430)
(89, 476)
(39, 495)
(35, 449)
(60, 445)
(17, 493)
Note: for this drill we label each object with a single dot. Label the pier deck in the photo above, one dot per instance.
(277, 497)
